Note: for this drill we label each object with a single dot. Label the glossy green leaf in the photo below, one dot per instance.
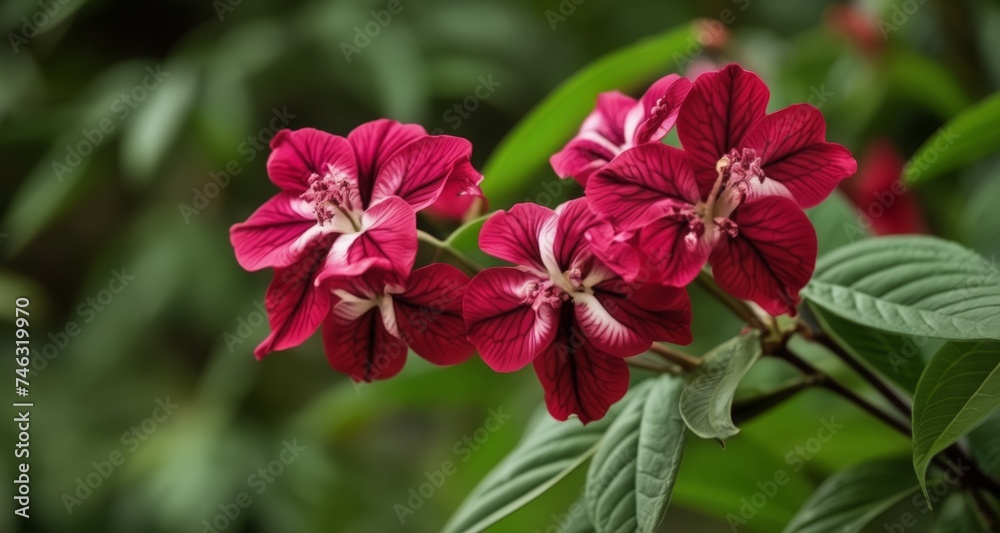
(957, 392)
(910, 285)
(898, 357)
(849, 500)
(966, 138)
(632, 476)
(547, 453)
(707, 400)
(527, 148)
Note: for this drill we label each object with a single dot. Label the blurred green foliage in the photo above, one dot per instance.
(100, 156)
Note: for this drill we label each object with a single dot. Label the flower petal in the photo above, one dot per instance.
(794, 153)
(518, 235)
(657, 109)
(429, 314)
(460, 192)
(672, 254)
(388, 232)
(570, 246)
(642, 184)
(718, 112)
(361, 347)
(772, 257)
(275, 235)
(417, 173)
(374, 143)
(578, 378)
(507, 332)
(600, 139)
(295, 307)
(298, 154)
(623, 319)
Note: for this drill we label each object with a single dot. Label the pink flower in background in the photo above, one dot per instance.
(618, 123)
(343, 201)
(761, 248)
(723, 124)
(377, 317)
(878, 192)
(563, 310)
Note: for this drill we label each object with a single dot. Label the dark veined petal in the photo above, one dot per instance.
(792, 147)
(577, 377)
(295, 306)
(508, 332)
(460, 192)
(298, 154)
(600, 139)
(276, 234)
(429, 314)
(374, 143)
(718, 112)
(388, 232)
(658, 108)
(772, 257)
(643, 184)
(418, 172)
(570, 246)
(361, 346)
(517, 235)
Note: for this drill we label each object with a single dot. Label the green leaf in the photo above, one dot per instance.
(631, 478)
(897, 357)
(526, 149)
(910, 285)
(547, 453)
(966, 138)
(985, 444)
(849, 500)
(957, 516)
(465, 239)
(707, 400)
(957, 392)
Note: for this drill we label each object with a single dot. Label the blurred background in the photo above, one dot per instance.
(134, 134)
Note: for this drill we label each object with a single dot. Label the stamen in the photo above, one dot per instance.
(333, 193)
(539, 293)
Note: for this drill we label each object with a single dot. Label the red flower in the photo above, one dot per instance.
(732, 197)
(563, 310)
(376, 318)
(343, 201)
(722, 124)
(618, 123)
(878, 192)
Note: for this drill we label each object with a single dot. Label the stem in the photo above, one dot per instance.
(737, 306)
(464, 262)
(987, 515)
(833, 386)
(746, 410)
(881, 386)
(644, 364)
(687, 362)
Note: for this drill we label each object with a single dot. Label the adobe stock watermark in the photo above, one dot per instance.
(563, 11)
(35, 23)
(122, 107)
(937, 490)
(131, 440)
(462, 110)
(944, 139)
(796, 458)
(463, 450)
(202, 196)
(363, 35)
(711, 32)
(901, 13)
(87, 312)
(259, 480)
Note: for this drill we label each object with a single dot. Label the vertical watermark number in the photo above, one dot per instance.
(22, 352)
